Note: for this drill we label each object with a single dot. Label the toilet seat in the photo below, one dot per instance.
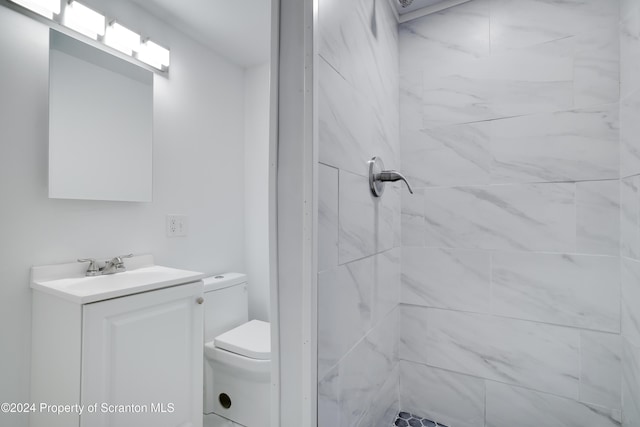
(252, 340)
(246, 348)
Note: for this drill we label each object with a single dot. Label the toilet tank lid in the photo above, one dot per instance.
(224, 280)
(252, 339)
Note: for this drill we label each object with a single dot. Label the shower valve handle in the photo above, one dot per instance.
(378, 176)
(393, 176)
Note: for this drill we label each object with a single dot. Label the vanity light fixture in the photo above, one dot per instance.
(84, 20)
(46, 8)
(153, 54)
(122, 38)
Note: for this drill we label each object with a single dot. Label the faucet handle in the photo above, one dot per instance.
(393, 176)
(93, 269)
(378, 176)
(120, 257)
(119, 263)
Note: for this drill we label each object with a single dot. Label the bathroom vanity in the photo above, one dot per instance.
(120, 350)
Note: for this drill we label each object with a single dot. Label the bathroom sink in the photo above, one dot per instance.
(68, 281)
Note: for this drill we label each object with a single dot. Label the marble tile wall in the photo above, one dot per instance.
(358, 236)
(518, 120)
(630, 208)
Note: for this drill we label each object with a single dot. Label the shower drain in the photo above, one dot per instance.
(406, 419)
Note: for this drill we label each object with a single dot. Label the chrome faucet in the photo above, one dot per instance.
(112, 266)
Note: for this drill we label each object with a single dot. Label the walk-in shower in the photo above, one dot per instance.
(504, 291)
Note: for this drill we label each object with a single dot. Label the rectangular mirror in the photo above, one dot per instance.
(100, 124)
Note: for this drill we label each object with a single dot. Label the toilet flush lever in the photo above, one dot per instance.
(378, 176)
(200, 300)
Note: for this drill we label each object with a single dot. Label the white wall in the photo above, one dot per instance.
(197, 170)
(256, 197)
(292, 175)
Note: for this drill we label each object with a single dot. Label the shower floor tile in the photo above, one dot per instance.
(406, 419)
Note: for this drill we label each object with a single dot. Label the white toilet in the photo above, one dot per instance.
(237, 356)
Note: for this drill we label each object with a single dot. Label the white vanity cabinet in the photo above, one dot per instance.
(130, 360)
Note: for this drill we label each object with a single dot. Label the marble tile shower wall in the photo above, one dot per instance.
(359, 236)
(511, 287)
(630, 203)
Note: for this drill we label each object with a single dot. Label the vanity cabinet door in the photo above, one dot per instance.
(142, 359)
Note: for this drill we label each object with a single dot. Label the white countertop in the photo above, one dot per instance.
(68, 281)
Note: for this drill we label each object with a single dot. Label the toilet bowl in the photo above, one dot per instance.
(237, 355)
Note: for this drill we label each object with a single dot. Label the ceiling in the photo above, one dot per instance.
(238, 30)
(417, 4)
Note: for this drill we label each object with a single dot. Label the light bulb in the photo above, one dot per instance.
(84, 20)
(154, 55)
(122, 39)
(46, 8)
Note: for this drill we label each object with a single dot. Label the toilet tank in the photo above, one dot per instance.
(226, 303)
